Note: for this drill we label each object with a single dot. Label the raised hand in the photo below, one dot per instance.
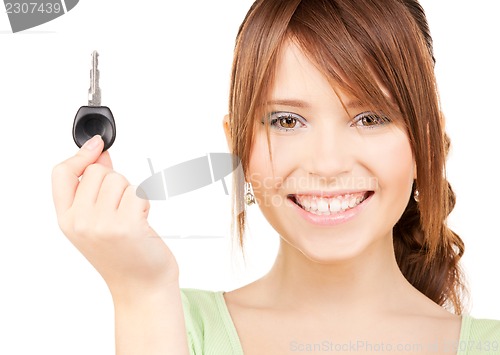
(98, 210)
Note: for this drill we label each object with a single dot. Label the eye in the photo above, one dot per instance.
(369, 120)
(286, 121)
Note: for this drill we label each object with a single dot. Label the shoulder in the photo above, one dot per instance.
(202, 307)
(474, 329)
(208, 323)
(195, 297)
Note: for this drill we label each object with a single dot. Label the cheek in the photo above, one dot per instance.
(260, 172)
(259, 167)
(395, 167)
(267, 179)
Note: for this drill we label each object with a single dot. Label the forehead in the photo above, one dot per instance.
(299, 82)
(296, 76)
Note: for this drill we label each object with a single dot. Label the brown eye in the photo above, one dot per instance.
(370, 119)
(286, 121)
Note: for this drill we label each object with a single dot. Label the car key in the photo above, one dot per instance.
(94, 118)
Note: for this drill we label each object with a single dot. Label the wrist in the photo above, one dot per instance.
(150, 320)
(136, 293)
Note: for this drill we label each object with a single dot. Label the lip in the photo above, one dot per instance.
(333, 219)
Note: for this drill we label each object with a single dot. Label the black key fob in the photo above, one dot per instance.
(92, 120)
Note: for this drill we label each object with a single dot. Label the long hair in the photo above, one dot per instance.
(361, 45)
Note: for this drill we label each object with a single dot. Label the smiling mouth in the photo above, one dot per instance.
(323, 205)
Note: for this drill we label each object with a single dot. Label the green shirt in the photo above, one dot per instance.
(211, 331)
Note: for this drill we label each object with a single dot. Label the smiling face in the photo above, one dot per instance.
(342, 177)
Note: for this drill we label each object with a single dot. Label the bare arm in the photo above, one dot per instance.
(102, 216)
(151, 323)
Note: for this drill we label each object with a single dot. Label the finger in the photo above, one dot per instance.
(88, 189)
(131, 201)
(105, 159)
(111, 191)
(65, 175)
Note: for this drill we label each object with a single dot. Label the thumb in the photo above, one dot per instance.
(65, 175)
(89, 152)
(105, 159)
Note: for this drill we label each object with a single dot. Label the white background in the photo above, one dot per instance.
(164, 73)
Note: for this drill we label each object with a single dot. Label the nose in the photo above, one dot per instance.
(332, 150)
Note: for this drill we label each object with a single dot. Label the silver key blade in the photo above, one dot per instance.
(95, 90)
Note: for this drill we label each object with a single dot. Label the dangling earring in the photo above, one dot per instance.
(249, 196)
(415, 195)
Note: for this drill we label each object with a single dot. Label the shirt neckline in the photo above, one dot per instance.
(228, 323)
(231, 328)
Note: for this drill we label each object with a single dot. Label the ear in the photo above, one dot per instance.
(227, 132)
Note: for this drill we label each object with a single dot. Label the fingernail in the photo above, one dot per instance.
(92, 143)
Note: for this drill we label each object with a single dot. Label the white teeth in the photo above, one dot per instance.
(314, 205)
(352, 202)
(335, 205)
(307, 205)
(325, 206)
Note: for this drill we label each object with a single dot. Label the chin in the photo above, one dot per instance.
(333, 250)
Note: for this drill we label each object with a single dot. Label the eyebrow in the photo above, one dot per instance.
(288, 102)
(303, 104)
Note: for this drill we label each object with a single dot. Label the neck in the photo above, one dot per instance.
(366, 282)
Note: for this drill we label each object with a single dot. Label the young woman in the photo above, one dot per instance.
(335, 117)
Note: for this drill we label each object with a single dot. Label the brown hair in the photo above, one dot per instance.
(360, 45)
